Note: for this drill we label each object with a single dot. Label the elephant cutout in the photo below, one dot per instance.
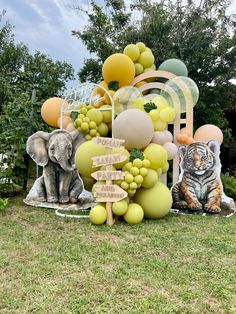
(60, 182)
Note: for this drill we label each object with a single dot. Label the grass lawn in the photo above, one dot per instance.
(180, 264)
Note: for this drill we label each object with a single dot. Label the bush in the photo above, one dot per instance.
(3, 202)
(229, 185)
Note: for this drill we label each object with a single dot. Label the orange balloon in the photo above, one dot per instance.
(70, 127)
(186, 131)
(118, 67)
(189, 140)
(182, 138)
(65, 121)
(208, 132)
(50, 110)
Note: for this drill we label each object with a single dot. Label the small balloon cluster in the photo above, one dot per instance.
(142, 56)
(93, 122)
(158, 110)
(184, 137)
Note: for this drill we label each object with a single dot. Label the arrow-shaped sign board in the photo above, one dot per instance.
(109, 159)
(109, 193)
(108, 142)
(108, 175)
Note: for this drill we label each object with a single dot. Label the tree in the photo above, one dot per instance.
(20, 74)
(202, 35)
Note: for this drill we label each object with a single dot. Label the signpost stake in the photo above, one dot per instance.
(110, 219)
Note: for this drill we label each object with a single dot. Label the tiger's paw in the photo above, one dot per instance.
(214, 209)
(195, 206)
(181, 205)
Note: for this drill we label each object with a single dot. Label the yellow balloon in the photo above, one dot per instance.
(160, 102)
(98, 215)
(138, 68)
(141, 46)
(165, 168)
(88, 182)
(118, 67)
(159, 125)
(156, 202)
(156, 154)
(103, 129)
(134, 214)
(167, 114)
(50, 111)
(146, 59)
(122, 151)
(83, 157)
(132, 51)
(150, 179)
(107, 114)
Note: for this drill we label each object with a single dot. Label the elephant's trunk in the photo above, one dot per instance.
(65, 164)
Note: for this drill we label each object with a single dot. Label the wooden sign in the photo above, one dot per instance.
(108, 142)
(109, 193)
(108, 175)
(109, 159)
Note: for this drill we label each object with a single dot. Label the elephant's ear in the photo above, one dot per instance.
(36, 147)
(77, 140)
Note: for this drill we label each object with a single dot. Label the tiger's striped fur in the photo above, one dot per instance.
(200, 187)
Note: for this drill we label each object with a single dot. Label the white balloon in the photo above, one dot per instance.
(172, 150)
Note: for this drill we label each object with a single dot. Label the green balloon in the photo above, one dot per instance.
(184, 89)
(174, 66)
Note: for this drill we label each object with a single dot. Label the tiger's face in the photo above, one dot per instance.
(198, 157)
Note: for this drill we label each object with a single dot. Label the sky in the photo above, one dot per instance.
(46, 25)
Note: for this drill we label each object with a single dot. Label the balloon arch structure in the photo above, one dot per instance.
(175, 88)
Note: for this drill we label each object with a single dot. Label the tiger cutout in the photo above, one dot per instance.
(199, 187)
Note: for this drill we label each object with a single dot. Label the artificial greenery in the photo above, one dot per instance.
(149, 106)
(136, 153)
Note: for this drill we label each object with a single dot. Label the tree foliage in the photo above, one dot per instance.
(202, 35)
(20, 74)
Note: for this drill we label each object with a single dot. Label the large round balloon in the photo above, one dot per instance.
(156, 154)
(124, 98)
(135, 127)
(208, 132)
(83, 157)
(174, 66)
(181, 93)
(120, 68)
(51, 110)
(156, 201)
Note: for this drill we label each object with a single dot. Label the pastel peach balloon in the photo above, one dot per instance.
(168, 135)
(172, 150)
(159, 138)
(135, 127)
(65, 121)
(162, 137)
(208, 132)
(70, 127)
